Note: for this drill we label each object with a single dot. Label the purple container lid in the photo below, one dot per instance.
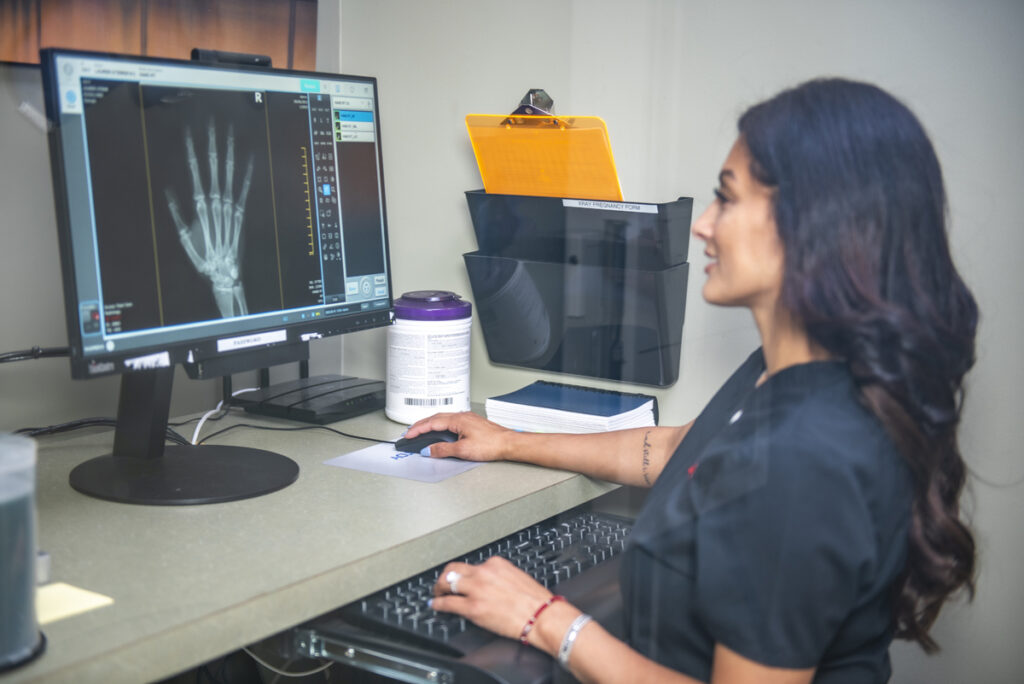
(432, 305)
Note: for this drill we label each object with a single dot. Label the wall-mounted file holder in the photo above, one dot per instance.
(582, 287)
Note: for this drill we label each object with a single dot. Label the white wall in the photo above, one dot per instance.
(670, 79)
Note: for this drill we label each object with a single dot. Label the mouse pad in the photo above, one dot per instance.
(384, 460)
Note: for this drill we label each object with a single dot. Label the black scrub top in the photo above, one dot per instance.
(778, 529)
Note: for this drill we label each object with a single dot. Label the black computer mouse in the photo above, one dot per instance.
(415, 444)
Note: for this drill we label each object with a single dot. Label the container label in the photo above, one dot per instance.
(611, 206)
(427, 368)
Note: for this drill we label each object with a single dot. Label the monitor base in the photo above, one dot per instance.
(185, 475)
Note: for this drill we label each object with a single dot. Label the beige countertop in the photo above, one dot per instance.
(190, 583)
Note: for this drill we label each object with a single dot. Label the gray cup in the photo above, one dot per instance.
(20, 638)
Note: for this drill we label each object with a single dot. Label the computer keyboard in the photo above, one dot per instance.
(568, 554)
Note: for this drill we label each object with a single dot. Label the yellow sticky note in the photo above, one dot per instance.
(59, 600)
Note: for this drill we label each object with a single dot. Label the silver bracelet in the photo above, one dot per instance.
(570, 638)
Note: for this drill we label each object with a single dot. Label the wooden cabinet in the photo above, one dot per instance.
(286, 31)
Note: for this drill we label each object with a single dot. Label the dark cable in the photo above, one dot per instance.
(223, 414)
(172, 435)
(34, 353)
(295, 429)
(67, 427)
(176, 437)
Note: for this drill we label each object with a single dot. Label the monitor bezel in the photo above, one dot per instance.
(200, 347)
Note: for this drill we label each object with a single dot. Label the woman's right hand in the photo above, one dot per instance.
(635, 456)
(479, 439)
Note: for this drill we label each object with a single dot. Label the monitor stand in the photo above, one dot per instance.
(142, 470)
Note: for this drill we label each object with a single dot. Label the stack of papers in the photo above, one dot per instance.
(555, 407)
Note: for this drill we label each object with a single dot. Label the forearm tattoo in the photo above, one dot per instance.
(645, 467)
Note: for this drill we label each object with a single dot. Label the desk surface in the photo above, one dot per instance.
(191, 583)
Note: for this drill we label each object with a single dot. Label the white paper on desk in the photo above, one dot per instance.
(384, 460)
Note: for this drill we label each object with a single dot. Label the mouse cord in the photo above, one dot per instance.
(294, 429)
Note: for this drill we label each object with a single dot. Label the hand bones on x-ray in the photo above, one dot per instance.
(212, 240)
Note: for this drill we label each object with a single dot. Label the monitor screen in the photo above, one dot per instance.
(207, 209)
(217, 216)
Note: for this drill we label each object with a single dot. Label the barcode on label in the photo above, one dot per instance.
(443, 401)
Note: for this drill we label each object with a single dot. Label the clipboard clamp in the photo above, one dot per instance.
(535, 109)
(535, 102)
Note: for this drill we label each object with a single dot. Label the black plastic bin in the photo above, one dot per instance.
(583, 287)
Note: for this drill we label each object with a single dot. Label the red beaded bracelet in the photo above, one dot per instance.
(529, 625)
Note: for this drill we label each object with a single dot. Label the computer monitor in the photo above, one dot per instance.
(207, 214)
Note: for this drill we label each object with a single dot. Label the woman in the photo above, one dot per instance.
(810, 513)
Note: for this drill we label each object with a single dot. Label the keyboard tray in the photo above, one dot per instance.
(473, 655)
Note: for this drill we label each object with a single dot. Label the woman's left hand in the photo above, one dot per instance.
(496, 595)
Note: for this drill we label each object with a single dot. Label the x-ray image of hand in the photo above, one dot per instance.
(212, 239)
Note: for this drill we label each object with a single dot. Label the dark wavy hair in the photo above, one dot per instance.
(861, 212)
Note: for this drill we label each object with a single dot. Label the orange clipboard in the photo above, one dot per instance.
(550, 156)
